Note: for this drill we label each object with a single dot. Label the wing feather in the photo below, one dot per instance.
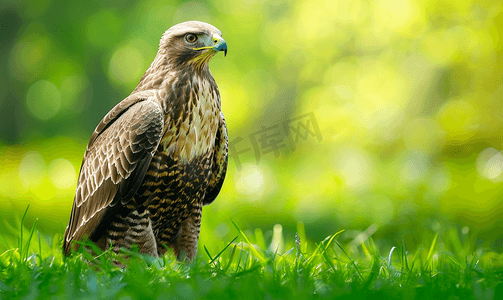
(114, 165)
(219, 163)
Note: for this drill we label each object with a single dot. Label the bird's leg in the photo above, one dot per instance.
(140, 232)
(185, 245)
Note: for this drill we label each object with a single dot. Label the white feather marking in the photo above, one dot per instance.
(198, 136)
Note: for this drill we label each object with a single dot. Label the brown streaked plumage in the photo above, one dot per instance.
(158, 156)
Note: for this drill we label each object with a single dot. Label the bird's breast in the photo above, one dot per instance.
(191, 132)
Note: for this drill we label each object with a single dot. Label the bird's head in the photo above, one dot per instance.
(192, 43)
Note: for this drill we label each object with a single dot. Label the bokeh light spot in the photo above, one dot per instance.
(355, 168)
(440, 181)
(32, 170)
(490, 164)
(62, 173)
(415, 167)
(126, 66)
(43, 100)
(250, 181)
(28, 56)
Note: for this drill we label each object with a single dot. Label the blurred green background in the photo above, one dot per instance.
(384, 116)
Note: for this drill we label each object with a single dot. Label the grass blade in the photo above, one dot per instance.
(20, 244)
(326, 246)
(230, 258)
(209, 255)
(39, 247)
(252, 248)
(32, 232)
(432, 248)
(220, 253)
(351, 260)
(301, 231)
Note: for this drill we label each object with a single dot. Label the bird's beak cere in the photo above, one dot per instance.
(220, 44)
(216, 43)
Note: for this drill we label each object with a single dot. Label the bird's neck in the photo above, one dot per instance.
(171, 84)
(155, 75)
(163, 71)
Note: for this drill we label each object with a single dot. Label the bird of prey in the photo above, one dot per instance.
(158, 156)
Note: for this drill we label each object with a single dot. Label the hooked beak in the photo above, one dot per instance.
(220, 44)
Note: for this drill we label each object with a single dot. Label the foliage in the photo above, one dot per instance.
(247, 269)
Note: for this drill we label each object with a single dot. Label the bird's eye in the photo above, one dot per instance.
(191, 38)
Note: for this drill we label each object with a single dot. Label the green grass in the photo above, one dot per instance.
(448, 267)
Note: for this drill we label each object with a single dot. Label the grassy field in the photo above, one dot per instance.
(448, 267)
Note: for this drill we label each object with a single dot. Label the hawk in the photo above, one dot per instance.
(158, 156)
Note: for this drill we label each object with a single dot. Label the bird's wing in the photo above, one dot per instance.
(219, 163)
(114, 165)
